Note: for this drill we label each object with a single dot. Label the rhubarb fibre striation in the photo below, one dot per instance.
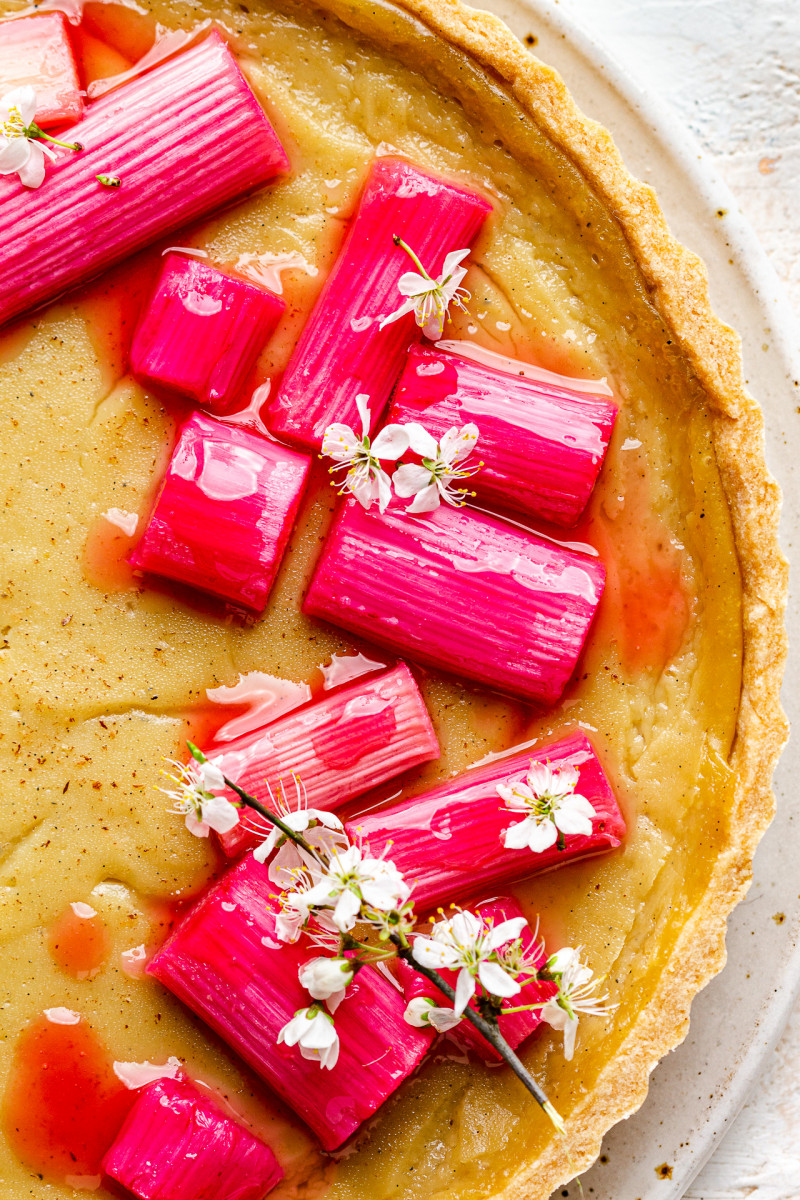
(176, 1144)
(226, 963)
(462, 591)
(224, 513)
(448, 842)
(342, 351)
(541, 445)
(185, 139)
(202, 332)
(339, 746)
(37, 50)
(515, 1027)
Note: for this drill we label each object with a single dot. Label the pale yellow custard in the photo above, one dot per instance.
(103, 676)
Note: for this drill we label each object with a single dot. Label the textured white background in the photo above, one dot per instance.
(730, 69)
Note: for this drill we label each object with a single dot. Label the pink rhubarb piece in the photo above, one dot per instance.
(449, 842)
(462, 591)
(226, 963)
(225, 512)
(202, 332)
(541, 445)
(37, 51)
(342, 351)
(176, 1144)
(515, 1027)
(339, 746)
(185, 139)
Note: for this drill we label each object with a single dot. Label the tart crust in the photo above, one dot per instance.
(677, 284)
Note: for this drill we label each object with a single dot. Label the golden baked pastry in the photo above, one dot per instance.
(103, 677)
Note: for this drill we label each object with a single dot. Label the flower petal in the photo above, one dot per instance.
(506, 931)
(346, 910)
(411, 283)
(31, 175)
(14, 154)
(220, 815)
(541, 835)
(391, 442)
(497, 981)
(431, 953)
(340, 443)
(453, 260)
(362, 404)
(383, 487)
(465, 990)
(410, 479)
(420, 441)
(425, 501)
(516, 836)
(406, 307)
(443, 1019)
(458, 444)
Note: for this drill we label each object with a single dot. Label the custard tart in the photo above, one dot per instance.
(138, 614)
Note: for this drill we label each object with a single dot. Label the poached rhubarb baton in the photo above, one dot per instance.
(462, 591)
(339, 746)
(202, 332)
(224, 513)
(515, 1027)
(227, 964)
(450, 842)
(541, 445)
(342, 351)
(185, 139)
(176, 1144)
(36, 51)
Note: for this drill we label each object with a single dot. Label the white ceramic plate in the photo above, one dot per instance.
(699, 1089)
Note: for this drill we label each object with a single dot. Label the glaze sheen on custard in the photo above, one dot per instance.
(100, 676)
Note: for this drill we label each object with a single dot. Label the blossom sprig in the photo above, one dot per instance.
(21, 149)
(577, 994)
(197, 784)
(469, 944)
(432, 480)
(429, 482)
(331, 893)
(551, 805)
(428, 298)
(360, 458)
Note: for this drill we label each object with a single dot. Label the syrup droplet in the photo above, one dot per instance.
(63, 1105)
(78, 941)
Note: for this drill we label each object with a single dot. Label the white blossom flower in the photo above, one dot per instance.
(313, 1030)
(577, 990)
(431, 481)
(469, 944)
(195, 799)
(326, 979)
(360, 458)
(298, 821)
(552, 808)
(428, 298)
(21, 149)
(351, 880)
(423, 1011)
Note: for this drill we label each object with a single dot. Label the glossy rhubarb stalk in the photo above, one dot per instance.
(449, 842)
(515, 1027)
(176, 1144)
(339, 746)
(462, 591)
(541, 444)
(202, 331)
(224, 513)
(343, 351)
(37, 51)
(226, 963)
(185, 139)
